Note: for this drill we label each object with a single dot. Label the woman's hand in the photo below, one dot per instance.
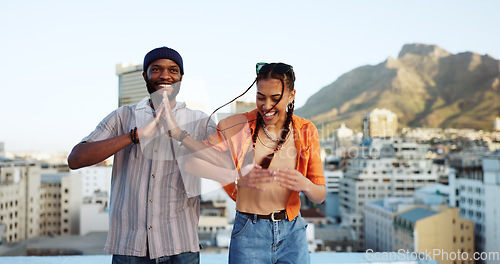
(295, 181)
(253, 175)
(292, 180)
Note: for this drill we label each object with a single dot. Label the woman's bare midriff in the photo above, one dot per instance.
(274, 197)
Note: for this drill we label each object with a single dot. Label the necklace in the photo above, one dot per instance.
(263, 144)
(268, 135)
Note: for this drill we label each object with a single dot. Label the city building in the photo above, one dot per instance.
(443, 233)
(131, 85)
(71, 201)
(333, 175)
(343, 137)
(475, 181)
(50, 204)
(336, 237)
(60, 201)
(19, 200)
(94, 213)
(379, 215)
(491, 174)
(383, 167)
(380, 123)
(213, 226)
(379, 218)
(466, 178)
(213, 216)
(95, 179)
(94, 190)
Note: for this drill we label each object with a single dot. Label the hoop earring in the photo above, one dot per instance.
(290, 106)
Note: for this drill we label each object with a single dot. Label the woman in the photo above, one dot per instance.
(268, 227)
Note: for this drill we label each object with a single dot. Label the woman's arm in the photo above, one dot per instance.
(295, 181)
(251, 174)
(313, 184)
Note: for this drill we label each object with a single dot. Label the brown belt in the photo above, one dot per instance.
(274, 216)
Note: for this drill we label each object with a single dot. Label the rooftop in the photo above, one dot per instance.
(336, 258)
(415, 214)
(91, 247)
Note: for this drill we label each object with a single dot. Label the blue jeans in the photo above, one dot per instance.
(183, 258)
(264, 241)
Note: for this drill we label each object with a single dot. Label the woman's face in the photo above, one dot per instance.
(268, 94)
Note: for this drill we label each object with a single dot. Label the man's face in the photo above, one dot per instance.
(163, 74)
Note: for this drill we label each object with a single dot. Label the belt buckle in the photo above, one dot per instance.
(272, 216)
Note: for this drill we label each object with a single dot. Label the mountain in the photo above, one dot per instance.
(426, 86)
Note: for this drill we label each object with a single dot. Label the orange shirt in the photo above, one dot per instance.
(235, 134)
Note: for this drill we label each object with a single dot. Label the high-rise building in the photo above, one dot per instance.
(380, 123)
(491, 172)
(466, 177)
(131, 85)
(19, 200)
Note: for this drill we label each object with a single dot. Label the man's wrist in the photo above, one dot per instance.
(182, 136)
(175, 133)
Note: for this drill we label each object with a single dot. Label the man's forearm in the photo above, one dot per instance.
(89, 153)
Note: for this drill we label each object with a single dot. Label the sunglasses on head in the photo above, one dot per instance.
(279, 68)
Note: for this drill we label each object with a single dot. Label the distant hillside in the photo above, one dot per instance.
(426, 86)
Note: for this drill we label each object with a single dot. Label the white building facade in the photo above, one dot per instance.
(19, 200)
(491, 170)
(383, 168)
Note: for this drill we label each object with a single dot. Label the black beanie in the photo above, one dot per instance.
(163, 53)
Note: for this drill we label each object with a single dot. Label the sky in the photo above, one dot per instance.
(58, 58)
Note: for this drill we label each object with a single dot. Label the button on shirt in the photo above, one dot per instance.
(149, 199)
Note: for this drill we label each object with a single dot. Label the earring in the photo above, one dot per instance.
(290, 106)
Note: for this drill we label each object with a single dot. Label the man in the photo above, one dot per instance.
(153, 218)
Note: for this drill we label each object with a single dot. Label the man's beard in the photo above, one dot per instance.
(176, 87)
